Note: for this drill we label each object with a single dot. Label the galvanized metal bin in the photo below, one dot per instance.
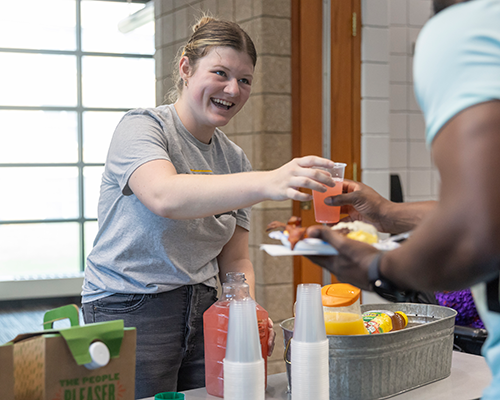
(379, 366)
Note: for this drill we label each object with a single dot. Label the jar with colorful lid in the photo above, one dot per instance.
(342, 311)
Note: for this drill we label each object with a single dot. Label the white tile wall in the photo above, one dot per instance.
(375, 141)
(398, 95)
(419, 12)
(398, 12)
(398, 69)
(399, 154)
(378, 180)
(375, 12)
(398, 126)
(375, 44)
(410, 69)
(412, 101)
(409, 156)
(375, 151)
(397, 39)
(412, 38)
(374, 80)
(374, 116)
(416, 126)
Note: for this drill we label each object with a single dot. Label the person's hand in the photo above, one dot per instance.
(272, 337)
(360, 203)
(351, 264)
(284, 183)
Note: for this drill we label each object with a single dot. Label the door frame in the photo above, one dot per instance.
(345, 95)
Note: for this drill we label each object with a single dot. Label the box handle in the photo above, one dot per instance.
(70, 311)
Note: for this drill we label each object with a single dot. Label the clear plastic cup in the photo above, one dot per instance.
(322, 212)
(243, 344)
(309, 322)
(310, 370)
(244, 381)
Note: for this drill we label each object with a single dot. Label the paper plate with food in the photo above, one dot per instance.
(294, 240)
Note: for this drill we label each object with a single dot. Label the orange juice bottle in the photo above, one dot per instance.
(341, 309)
(215, 322)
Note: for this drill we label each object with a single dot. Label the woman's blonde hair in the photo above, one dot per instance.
(208, 33)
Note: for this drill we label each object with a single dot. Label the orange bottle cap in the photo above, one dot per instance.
(339, 295)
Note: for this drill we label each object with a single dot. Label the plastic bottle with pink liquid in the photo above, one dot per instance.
(215, 322)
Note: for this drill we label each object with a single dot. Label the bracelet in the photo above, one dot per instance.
(383, 286)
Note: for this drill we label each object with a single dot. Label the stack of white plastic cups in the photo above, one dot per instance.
(244, 377)
(309, 346)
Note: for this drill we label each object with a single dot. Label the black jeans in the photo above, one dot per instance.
(170, 351)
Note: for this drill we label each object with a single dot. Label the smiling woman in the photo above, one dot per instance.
(174, 210)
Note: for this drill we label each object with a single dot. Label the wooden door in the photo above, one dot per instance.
(307, 17)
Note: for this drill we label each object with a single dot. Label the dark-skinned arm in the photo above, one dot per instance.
(361, 203)
(456, 244)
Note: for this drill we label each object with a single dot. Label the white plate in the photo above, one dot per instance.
(311, 246)
(308, 246)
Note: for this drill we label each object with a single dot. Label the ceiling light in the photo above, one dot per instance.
(137, 19)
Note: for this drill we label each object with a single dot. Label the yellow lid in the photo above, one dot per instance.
(404, 316)
(339, 295)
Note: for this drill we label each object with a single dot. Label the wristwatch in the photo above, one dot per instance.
(384, 287)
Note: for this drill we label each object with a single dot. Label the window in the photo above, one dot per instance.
(67, 75)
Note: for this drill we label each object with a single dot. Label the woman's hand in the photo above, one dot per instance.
(272, 337)
(284, 183)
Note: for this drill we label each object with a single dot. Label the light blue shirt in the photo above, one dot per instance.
(456, 66)
(457, 61)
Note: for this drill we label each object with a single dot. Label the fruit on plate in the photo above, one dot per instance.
(358, 230)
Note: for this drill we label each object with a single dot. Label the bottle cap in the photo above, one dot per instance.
(339, 295)
(404, 316)
(99, 353)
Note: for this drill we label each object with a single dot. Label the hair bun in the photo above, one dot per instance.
(202, 21)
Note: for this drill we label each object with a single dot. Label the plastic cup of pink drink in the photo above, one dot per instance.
(322, 212)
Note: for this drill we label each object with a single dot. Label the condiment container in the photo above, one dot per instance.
(381, 321)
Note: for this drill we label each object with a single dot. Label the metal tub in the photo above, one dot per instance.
(379, 366)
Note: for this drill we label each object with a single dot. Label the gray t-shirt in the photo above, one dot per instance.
(137, 251)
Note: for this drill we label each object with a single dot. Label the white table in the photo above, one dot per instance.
(469, 376)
